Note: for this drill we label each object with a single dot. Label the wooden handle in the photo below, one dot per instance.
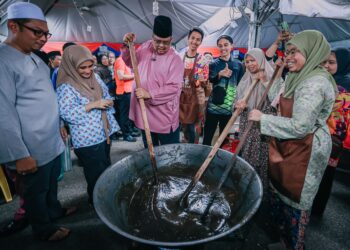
(218, 143)
(223, 135)
(249, 126)
(231, 164)
(143, 111)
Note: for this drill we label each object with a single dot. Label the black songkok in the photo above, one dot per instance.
(162, 26)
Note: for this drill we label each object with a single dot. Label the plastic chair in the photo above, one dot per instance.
(5, 186)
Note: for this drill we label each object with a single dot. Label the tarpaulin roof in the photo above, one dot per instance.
(109, 20)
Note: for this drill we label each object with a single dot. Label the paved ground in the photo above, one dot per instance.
(88, 232)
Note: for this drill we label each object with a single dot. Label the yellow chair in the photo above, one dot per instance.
(4, 186)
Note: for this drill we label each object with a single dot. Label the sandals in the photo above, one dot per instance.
(66, 211)
(60, 234)
(69, 211)
(57, 234)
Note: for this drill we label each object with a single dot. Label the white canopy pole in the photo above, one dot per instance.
(254, 27)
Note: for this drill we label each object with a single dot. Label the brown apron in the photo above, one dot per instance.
(189, 106)
(289, 158)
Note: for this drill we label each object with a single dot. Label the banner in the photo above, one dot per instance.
(337, 9)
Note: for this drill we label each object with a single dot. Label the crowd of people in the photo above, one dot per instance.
(294, 145)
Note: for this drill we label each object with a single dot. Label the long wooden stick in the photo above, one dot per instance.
(143, 112)
(216, 146)
(242, 140)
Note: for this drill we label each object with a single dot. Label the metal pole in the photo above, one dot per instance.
(254, 28)
(257, 35)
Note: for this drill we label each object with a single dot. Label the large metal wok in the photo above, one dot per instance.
(243, 178)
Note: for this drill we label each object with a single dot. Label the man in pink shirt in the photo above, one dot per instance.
(161, 72)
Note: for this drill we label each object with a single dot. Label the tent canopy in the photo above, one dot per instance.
(109, 20)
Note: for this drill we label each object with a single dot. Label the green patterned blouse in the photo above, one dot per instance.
(313, 102)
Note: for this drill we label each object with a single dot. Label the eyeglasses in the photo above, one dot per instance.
(159, 42)
(37, 33)
(291, 52)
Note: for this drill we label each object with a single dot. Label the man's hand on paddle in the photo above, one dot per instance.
(142, 93)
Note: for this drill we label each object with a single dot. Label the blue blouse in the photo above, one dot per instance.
(86, 128)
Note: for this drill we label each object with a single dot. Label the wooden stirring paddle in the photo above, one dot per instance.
(143, 112)
(216, 146)
(244, 137)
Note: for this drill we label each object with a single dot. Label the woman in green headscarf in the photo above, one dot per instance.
(301, 143)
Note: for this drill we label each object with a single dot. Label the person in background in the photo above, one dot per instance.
(192, 99)
(55, 60)
(301, 144)
(31, 140)
(342, 75)
(271, 53)
(255, 149)
(338, 123)
(161, 73)
(95, 61)
(102, 70)
(282, 37)
(124, 79)
(84, 103)
(43, 56)
(224, 74)
(208, 56)
(111, 60)
(55, 73)
(111, 86)
(208, 89)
